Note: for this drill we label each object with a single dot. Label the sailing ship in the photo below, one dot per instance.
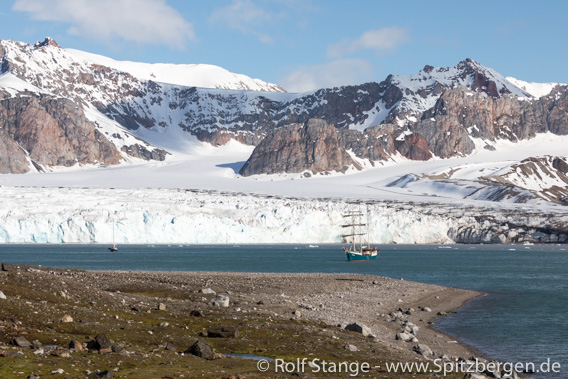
(113, 247)
(357, 251)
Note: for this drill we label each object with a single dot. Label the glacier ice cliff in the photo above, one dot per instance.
(74, 215)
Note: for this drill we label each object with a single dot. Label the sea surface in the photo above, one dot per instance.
(522, 318)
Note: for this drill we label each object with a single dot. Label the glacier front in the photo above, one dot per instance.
(181, 216)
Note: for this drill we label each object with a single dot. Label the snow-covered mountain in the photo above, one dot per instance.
(66, 108)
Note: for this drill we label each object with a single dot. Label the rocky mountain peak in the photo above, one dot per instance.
(428, 69)
(48, 41)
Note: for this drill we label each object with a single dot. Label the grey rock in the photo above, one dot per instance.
(170, 346)
(359, 328)
(220, 301)
(223, 332)
(351, 348)
(102, 342)
(76, 345)
(107, 374)
(21, 342)
(207, 291)
(473, 375)
(137, 308)
(423, 350)
(509, 375)
(201, 349)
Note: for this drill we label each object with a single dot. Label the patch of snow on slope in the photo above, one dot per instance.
(189, 75)
(535, 89)
(536, 174)
(15, 85)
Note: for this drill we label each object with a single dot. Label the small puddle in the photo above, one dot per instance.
(248, 356)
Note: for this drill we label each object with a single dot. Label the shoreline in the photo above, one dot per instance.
(307, 312)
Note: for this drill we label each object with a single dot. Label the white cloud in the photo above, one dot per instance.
(333, 74)
(142, 21)
(246, 17)
(379, 40)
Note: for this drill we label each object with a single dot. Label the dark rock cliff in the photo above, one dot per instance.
(49, 131)
(314, 146)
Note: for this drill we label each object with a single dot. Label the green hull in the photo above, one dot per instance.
(356, 256)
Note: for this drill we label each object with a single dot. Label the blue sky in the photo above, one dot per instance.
(306, 44)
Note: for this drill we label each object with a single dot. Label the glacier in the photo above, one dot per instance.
(182, 216)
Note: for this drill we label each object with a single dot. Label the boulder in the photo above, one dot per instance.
(22, 342)
(170, 346)
(359, 328)
(423, 350)
(207, 291)
(220, 301)
(66, 319)
(107, 374)
(76, 345)
(473, 375)
(102, 342)
(201, 349)
(223, 332)
(2, 296)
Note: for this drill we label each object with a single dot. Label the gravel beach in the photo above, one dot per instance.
(153, 319)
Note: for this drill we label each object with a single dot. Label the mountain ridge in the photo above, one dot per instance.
(436, 113)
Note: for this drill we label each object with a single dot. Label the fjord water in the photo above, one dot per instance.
(521, 319)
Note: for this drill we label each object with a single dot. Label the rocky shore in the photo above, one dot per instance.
(72, 323)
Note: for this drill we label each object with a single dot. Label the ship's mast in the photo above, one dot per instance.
(355, 223)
